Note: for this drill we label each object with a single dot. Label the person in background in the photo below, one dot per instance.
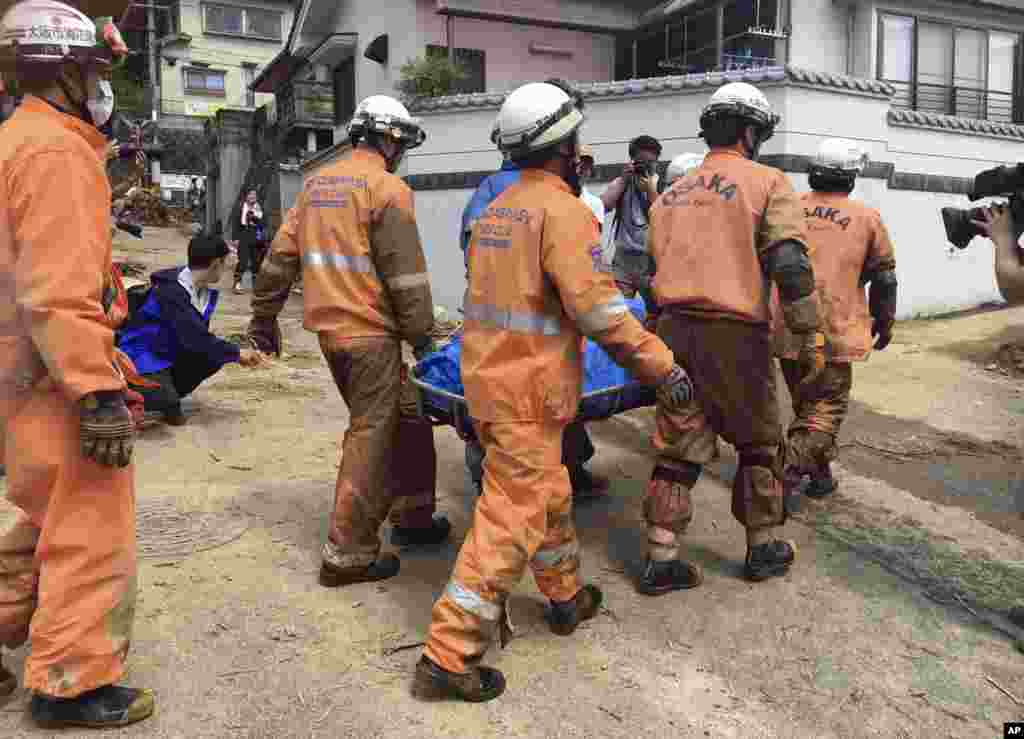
(168, 337)
(249, 235)
(997, 224)
(586, 172)
(628, 198)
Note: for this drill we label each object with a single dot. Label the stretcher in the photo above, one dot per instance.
(608, 389)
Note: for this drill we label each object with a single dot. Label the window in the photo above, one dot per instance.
(235, 20)
(204, 81)
(473, 61)
(953, 70)
(730, 35)
(344, 91)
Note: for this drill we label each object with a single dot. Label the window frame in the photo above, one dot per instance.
(204, 91)
(244, 10)
(1016, 94)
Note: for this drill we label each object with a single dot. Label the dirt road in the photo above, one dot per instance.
(890, 624)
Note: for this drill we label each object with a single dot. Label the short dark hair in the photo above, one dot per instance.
(204, 250)
(644, 143)
(539, 159)
(725, 130)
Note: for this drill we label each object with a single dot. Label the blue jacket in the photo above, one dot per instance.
(493, 186)
(167, 329)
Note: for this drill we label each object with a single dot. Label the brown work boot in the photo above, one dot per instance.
(104, 707)
(433, 682)
(387, 565)
(563, 618)
(822, 483)
(8, 682)
(664, 577)
(770, 559)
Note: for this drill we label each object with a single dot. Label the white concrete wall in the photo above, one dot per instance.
(818, 38)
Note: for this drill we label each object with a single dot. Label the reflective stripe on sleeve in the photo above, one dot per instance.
(343, 262)
(505, 320)
(602, 317)
(405, 282)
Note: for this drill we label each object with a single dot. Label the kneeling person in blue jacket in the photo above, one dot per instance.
(168, 337)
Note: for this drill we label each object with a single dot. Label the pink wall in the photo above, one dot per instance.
(507, 47)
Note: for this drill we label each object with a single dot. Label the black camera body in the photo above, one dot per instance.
(643, 169)
(1007, 182)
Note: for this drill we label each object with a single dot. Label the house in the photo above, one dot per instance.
(207, 56)
(932, 88)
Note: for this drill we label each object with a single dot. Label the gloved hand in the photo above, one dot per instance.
(883, 330)
(812, 356)
(136, 406)
(266, 335)
(676, 390)
(106, 428)
(426, 348)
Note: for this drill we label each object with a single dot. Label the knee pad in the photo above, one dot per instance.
(668, 504)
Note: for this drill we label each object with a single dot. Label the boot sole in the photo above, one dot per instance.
(426, 688)
(774, 570)
(664, 590)
(330, 578)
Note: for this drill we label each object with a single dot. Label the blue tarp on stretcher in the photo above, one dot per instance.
(607, 388)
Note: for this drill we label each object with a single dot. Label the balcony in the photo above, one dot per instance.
(305, 104)
(962, 102)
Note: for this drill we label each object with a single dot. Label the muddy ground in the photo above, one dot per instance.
(892, 624)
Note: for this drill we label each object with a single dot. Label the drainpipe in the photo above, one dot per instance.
(789, 32)
(720, 35)
(311, 141)
(449, 27)
(851, 23)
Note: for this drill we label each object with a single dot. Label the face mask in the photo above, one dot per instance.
(101, 108)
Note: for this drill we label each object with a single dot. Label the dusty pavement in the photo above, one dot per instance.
(890, 624)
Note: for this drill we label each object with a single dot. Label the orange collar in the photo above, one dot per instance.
(725, 153)
(369, 156)
(38, 106)
(542, 175)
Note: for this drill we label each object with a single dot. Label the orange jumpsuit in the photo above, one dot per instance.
(68, 564)
(365, 288)
(708, 233)
(847, 242)
(533, 292)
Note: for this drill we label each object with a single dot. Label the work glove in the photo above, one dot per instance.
(106, 428)
(882, 329)
(265, 334)
(676, 390)
(812, 357)
(425, 349)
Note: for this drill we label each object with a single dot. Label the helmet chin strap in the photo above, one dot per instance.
(80, 105)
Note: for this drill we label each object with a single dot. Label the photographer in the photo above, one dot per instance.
(997, 224)
(630, 197)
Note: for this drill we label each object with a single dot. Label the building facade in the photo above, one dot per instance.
(932, 89)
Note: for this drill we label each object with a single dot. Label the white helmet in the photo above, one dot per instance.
(49, 32)
(385, 115)
(682, 165)
(534, 117)
(740, 100)
(841, 155)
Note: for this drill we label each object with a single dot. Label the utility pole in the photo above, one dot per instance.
(154, 81)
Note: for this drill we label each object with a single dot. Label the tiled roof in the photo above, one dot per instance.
(917, 119)
(623, 88)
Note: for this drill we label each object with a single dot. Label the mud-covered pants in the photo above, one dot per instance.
(819, 412)
(68, 561)
(368, 373)
(524, 517)
(731, 366)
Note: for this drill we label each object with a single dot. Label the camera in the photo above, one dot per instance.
(642, 169)
(1005, 181)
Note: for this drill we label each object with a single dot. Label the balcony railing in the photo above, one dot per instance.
(963, 102)
(305, 104)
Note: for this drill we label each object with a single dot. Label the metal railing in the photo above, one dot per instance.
(963, 102)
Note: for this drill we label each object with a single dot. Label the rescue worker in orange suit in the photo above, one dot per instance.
(849, 247)
(717, 236)
(68, 432)
(353, 230)
(533, 295)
